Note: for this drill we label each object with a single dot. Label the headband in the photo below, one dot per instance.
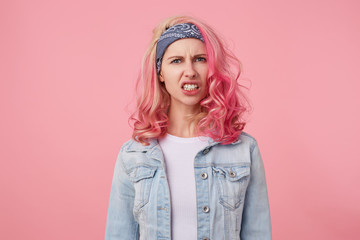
(178, 31)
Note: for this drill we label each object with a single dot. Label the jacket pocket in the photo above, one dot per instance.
(142, 178)
(231, 184)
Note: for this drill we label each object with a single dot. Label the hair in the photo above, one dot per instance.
(222, 110)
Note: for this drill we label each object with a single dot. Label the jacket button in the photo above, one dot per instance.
(232, 174)
(206, 209)
(204, 175)
(206, 151)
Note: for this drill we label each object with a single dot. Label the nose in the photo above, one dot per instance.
(190, 71)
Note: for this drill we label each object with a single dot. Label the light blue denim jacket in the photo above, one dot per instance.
(231, 193)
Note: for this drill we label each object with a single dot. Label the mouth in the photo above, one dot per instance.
(190, 87)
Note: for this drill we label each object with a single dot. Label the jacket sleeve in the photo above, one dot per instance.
(256, 221)
(120, 223)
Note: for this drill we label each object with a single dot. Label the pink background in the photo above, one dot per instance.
(67, 71)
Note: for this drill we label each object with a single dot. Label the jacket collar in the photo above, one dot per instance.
(153, 150)
(135, 146)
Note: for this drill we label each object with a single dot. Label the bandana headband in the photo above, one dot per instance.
(179, 31)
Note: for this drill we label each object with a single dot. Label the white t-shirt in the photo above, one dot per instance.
(179, 154)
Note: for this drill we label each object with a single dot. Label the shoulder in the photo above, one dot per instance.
(246, 137)
(133, 153)
(248, 140)
(245, 142)
(134, 146)
(128, 149)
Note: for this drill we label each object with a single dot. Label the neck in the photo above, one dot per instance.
(179, 125)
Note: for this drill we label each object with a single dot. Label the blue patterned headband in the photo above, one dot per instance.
(182, 30)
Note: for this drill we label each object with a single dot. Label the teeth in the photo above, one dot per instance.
(190, 87)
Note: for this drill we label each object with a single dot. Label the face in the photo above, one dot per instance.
(184, 70)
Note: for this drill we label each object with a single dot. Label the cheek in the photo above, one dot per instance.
(204, 71)
(170, 82)
(204, 74)
(171, 77)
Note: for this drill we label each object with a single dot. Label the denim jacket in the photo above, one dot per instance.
(231, 193)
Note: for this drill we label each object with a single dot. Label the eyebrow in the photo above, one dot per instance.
(197, 55)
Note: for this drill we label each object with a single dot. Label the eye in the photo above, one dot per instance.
(202, 59)
(175, 61)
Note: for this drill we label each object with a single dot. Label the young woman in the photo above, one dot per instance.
(189, 171)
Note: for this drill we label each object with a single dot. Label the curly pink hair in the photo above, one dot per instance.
(222, 110)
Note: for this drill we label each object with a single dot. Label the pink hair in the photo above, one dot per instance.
(223, 108)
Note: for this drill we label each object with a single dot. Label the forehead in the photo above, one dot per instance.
(186, 45)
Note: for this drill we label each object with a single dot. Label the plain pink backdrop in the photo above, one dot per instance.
(67, 73)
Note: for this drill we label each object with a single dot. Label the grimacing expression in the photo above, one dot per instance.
(184, 70)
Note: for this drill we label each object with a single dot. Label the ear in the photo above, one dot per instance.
(161, 78)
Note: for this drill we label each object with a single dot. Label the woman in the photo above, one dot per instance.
(189, 171)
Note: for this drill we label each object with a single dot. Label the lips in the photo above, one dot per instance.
(190, 83)
(191, 92)
(190, 87)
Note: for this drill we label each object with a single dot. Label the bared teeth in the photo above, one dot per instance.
(190, 87)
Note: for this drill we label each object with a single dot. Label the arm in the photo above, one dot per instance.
(256, 222)
(121, 224)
